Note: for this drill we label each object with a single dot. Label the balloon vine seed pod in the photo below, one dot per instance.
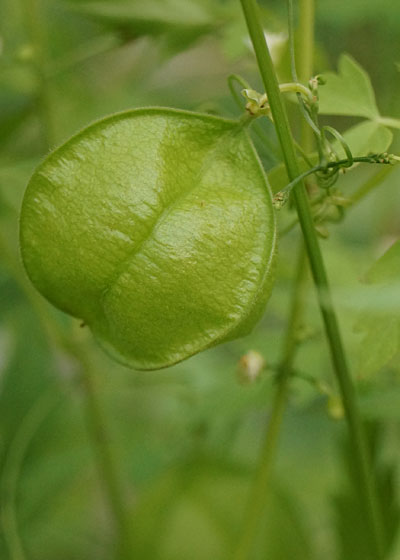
(156, 228)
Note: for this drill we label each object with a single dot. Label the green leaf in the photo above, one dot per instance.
(178, 22)
(380, 343)
(380, 323)
(368, 137)
(189, 512)
(386, 270)
(151, 16)
(381, 404)
(155, 227)
(349, 92)
(378, 14)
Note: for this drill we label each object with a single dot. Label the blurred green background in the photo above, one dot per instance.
(186, 440)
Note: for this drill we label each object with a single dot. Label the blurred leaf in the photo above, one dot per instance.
(352, 530)
(62, 513)
(358, 12)
(368, 137)
(381, 324)
(386, 270)
(381, 404)
(235, 38)
(169, 506)
(349, 92)
(49, 492)
(150, 15)
(50, 496)
(380, 343)
(181, 21)
(196, 512)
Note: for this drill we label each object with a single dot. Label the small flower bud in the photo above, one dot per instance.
(257, 103)
(280, 199)
(249, 367)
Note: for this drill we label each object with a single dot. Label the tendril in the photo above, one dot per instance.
(329, 172)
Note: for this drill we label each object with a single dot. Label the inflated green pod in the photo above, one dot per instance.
(156, 228)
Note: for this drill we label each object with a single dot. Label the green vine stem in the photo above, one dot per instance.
(259, 489)
(359, 445)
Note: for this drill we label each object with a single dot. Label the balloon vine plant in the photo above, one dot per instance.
(157, 228)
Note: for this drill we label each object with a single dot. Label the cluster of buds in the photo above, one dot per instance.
(313, 85)
(280, 198)
(257, 103)
(384, 157)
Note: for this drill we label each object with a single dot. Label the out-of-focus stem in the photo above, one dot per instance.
(259, 490)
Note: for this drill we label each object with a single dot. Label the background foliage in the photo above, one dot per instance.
(187, 439)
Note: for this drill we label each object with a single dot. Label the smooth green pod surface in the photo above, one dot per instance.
(156, 227)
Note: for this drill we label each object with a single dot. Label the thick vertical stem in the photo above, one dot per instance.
(358, 439)
(259, 490)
